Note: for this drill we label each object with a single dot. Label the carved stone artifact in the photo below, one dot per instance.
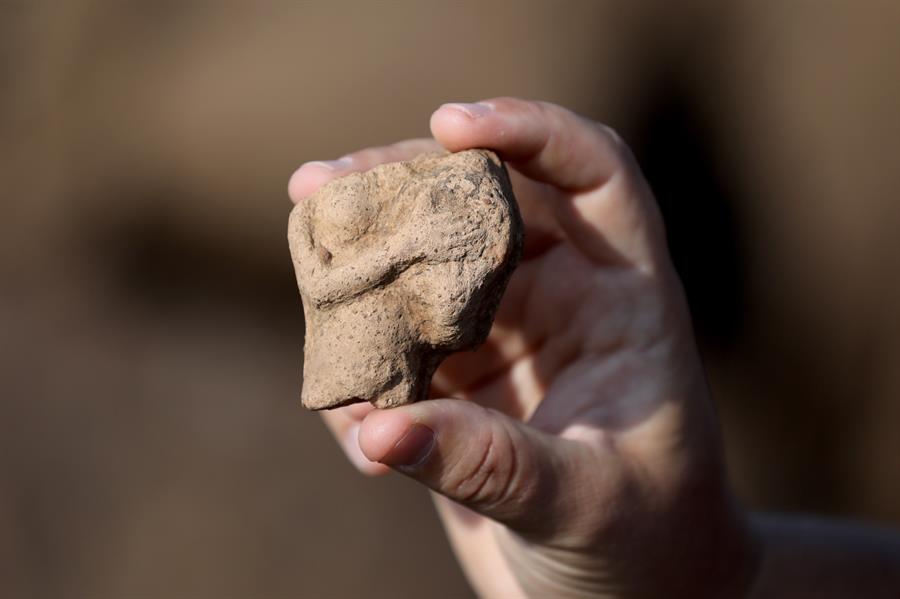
(398, 267)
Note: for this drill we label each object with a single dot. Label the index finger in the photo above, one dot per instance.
(313, 175)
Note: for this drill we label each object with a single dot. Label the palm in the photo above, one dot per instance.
(566, 328)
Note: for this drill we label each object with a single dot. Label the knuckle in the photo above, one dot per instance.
(468, 483)
(494, 480)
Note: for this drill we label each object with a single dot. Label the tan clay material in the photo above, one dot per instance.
(398, 267)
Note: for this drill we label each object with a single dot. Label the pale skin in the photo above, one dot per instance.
(584, 459)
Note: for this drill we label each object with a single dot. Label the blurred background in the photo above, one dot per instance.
(151, 439)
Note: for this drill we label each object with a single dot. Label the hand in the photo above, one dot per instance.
(585, 459)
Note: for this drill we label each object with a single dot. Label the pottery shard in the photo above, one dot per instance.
(398, 267)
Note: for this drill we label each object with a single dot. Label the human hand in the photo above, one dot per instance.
(585, 460)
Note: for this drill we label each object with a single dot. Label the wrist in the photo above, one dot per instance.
(692, 540)
(696, 540)
(713, 549)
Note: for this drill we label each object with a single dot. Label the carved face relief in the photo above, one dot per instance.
(398, 267)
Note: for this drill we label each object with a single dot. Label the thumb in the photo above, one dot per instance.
(481, 459)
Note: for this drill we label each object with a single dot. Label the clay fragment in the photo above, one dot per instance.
(398, 267)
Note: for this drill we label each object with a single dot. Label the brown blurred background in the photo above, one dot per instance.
(151, 442)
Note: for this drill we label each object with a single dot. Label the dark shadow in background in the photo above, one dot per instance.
(699, 200)
(675, 150)
(154, 260)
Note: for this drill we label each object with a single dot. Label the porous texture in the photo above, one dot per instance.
(398, 267)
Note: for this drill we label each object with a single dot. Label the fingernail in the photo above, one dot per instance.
(333, 165)
(412, 449)
(473, 111)
(351, 447)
